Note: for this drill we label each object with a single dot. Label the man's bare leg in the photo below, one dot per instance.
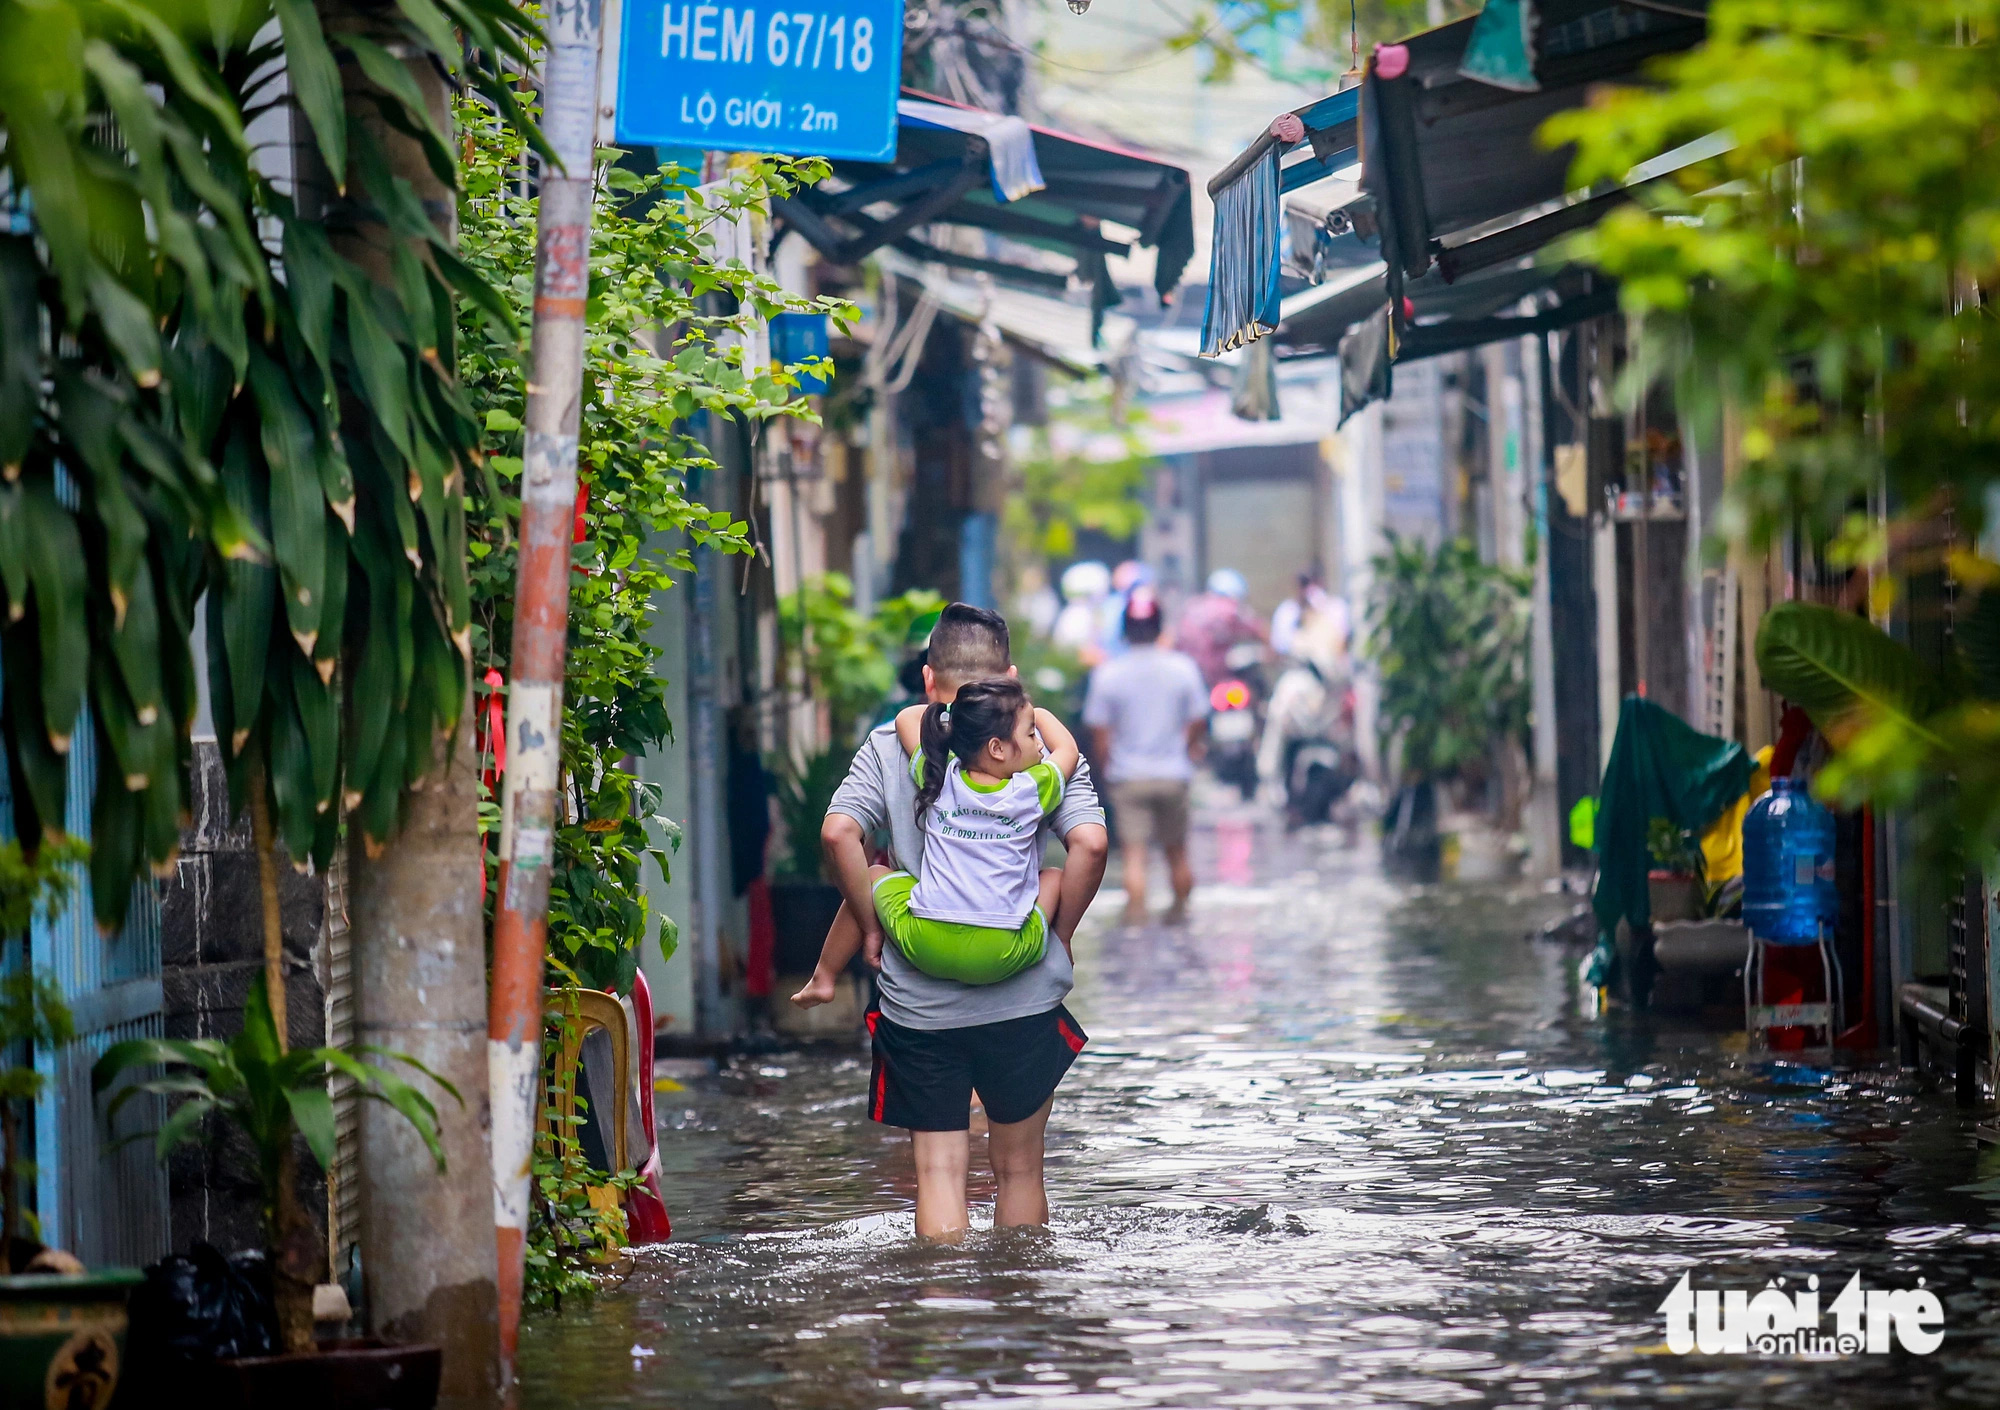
(1182, 873)
(1016, 1151)
(843, 939)
(941, 1160)
(1135, 883)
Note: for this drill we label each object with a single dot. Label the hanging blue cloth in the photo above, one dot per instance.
(1243, 264)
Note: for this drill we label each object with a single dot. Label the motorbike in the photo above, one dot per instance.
(1319, 764)
(1318, 772)
(1232, 735)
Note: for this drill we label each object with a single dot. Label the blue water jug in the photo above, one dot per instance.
(1788, 890)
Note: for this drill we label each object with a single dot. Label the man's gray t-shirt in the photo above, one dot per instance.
(879, 792)
(1147, 698)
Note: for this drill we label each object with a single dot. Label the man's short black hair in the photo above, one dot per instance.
(969, 643)
(1142, 630)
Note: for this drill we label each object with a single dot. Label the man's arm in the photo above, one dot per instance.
(1194, 707)
(859, 806)
(863, 795)
(846, 849)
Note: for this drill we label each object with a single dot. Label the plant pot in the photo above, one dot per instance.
(1675, 896)
(62, 1339)
(801, 911)
(341, 1375)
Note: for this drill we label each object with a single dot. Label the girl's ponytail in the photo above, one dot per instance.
(934, 748)
(982, 711)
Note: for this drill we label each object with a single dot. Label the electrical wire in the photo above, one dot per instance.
(1002, 41)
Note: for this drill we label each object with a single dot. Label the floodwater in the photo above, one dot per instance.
(1339, 1142)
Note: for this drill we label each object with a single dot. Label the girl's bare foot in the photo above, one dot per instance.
(818, 990)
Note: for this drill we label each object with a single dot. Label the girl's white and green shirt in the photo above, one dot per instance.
(982, 845)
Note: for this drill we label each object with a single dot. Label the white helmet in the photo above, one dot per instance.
(1088, 581)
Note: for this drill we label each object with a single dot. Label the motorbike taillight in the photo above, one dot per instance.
(1229, 695)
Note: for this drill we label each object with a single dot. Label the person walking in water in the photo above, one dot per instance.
(1148, 715)
(937, 1039)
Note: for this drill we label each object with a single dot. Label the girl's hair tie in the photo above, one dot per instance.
(944, 716)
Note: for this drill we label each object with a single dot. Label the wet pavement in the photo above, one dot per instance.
(1340, 1141)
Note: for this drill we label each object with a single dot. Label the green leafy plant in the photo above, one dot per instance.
(1086, 469)
(271, 1096)
(205, 389)
(669, 321)
(1812, 270)
(599, 914)
(849, 662)
(803, 793)
(1449, 635)
(1673, 848)
(33, 1014)
(848, 658)
(1903, 732)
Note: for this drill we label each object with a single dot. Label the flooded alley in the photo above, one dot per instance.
(1340, 1141)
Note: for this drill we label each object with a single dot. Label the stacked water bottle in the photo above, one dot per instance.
(1788, 891)
(1789, 899)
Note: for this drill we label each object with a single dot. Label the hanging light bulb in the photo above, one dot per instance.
(1077, 7)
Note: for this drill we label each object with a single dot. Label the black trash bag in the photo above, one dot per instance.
(196, 1308)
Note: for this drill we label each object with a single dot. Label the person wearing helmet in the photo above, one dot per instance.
(1079, 627)
(1127, 578)
(1216, 621)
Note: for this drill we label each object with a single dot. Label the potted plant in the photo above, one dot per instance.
(1448, 635)
(846, 659)
(273, 1096)
(60, 1326)
(803, 901)
(1674, 884)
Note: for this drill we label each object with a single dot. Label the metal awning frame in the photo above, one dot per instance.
(953, 191)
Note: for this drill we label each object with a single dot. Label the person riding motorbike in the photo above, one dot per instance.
(1214, 622)
(1308, 751)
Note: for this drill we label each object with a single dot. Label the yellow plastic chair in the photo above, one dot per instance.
(581, 1013)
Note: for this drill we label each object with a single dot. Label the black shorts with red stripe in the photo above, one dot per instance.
(924, 1077)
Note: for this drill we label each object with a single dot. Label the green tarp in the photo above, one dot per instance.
(1661, 767)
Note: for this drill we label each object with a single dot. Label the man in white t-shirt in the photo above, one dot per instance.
(1148, 714)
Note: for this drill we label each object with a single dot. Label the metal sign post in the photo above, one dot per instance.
(530, 791)
(813, 79)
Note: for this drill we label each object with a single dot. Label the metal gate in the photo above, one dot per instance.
(104, 1202)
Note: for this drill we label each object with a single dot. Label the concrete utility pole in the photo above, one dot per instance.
(531, 793)
(419, 957)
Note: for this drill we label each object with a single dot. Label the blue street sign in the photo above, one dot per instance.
(820, 79)
(795, 337)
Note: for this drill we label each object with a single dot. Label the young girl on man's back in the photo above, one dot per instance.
(981, 909)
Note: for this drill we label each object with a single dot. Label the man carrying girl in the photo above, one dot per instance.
(938, 1038)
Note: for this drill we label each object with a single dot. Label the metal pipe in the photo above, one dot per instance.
(704, 774)
(530, 789)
